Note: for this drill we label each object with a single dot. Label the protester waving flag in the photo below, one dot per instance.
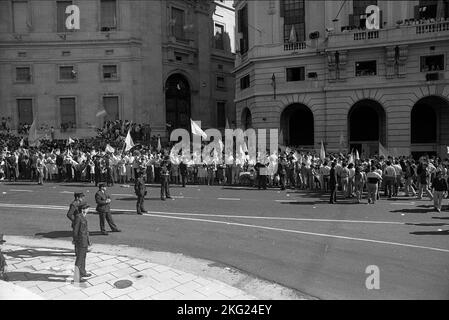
(128, 141)
(109, 149)
(196, 130)
(322, 151)
(159, 146)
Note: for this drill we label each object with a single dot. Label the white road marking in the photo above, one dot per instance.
(7, 205)
(403, 204)
(65, 192)
(17, 190)
(229, 199)
(303, 232)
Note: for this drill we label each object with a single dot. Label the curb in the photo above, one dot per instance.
(259, 288)
(10, 291)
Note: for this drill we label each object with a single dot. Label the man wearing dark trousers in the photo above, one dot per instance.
(183, 171)
(81, 240)
(141, 190)
(97, 164)
(165, 177)
(333, 184)
(103, 201)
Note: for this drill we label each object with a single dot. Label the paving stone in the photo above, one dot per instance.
(70, 288)
(79, 295)
(122, 258)
(114, 293)
(100, 296)
(231, 292)
(143, 293)
(104, 270)
(93, 259)
(188, 286)
(134, 262)
(51, 285)
(167, 275)
(100, 279)
(143, 266)
(123, 272)
(94, 290)
(105, 256)
(106, 263)
(53, 294)
(123, 265)
(35, 290)
(161, 268)
(165, 285)
(167, 295)
(216, 296)
(185, 278)
(124, 297)
(193, 295)
(146, 283)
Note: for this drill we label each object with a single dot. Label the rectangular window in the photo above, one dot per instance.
(67, 73)
(243, 29)
(23, 74)
(245, 82)
(68, 113)
(20, 16)
(219, 40)
(25, 111)
(61, 16)
(110, 72)
(294, 20)
(432, 63)
(178, 19)
(366, 68)
(108, 15)
(295, 74)
(110, 104)
(221, 84)
(221, 114)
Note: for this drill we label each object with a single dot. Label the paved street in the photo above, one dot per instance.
(292, 238)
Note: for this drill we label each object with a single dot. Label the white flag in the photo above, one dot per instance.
(196, 130)
(109, 149)
(322, 151)
(70, 141)
(128, 141)
(293, 38)
(32, 136)
(159, 146)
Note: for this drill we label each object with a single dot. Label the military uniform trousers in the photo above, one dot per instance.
(80, 261)
(139, 205)
(106, 215)
(165, 190)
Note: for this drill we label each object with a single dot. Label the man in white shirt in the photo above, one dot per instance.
(390, 178)
(398, 170)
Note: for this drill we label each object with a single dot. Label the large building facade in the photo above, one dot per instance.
(312, 70)
(154, 62)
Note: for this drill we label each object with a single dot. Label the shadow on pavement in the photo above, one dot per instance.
(33, 253)
(55, 234)
(431, 233)
(441, 218)
(29, 276)
(413, 211)
(427, 224)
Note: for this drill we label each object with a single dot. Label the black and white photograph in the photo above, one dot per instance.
(224, 155)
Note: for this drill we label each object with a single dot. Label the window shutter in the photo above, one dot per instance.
(281, 9)
(351, 20)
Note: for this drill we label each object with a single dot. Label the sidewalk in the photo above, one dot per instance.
(45, 268)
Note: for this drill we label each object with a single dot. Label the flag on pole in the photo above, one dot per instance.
(293, 38)
(32, 136)
(70, 141)
(351, 158)
(159, 146)
(100, 112)
(357, 156)
(21, 142)
(109, 149)
(196, 129)
(128, 141)
(322, 151)
(383, 151)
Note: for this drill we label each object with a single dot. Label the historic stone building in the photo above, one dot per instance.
(311, 69)
(157, 62)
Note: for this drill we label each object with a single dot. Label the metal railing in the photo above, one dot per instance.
(294, 46)
(434, 27)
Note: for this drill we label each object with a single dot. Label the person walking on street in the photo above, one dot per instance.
(390, 179)
(165, 178)
(333, 183)
(81, 241)
(103, 201)
(440, 187)
(423, 178)
(141, 191)
(73, 208)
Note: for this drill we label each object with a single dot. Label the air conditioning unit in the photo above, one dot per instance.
(433, 76)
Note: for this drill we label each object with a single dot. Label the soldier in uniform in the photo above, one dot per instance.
(73, 209)
(141, 190)
(103, 201)
(81, 240)
(165, 178)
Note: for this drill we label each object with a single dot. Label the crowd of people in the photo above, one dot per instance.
(90, 161)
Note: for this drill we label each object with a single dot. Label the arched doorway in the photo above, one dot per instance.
(297, 126)
(247, 121)
(177, 102)
(429, 127)
(367, 127)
